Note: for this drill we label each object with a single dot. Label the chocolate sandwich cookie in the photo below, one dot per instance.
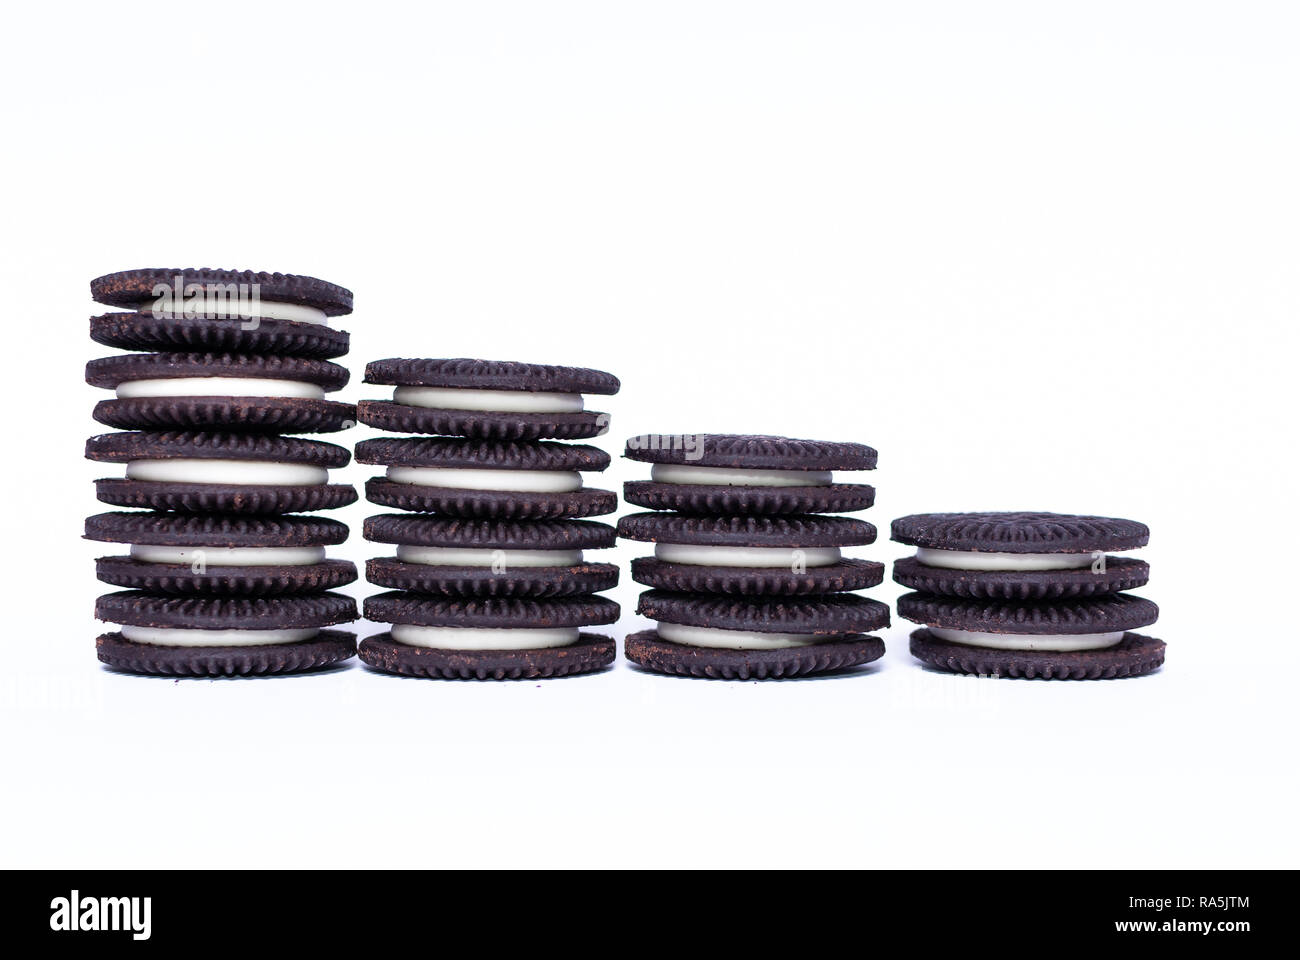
(496, 480)
(1077, 639)
(742, 638)
(456, 557)
(220, 391)
(224, 636)
(1019, 556)
(244, 473)
(738, 474)
(490, 399)
(751, 555)
(176, 553)
(242, 311)
(488, 639)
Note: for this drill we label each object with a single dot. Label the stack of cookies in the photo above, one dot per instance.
(222, 578)
(489, 579)
(1027, 595)
(747, 576)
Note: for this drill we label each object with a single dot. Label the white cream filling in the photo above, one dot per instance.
(726, 477)
(499, 559)
(219, 387)
(766, 557)
(973, 560)
(459, 478)
(229, 556)
(179, 637)
(736, 639)
(234, 306)
(506, 401)
(255, 472)
(476, 638)
(1060, 642)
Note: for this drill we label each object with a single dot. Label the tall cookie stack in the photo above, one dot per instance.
(1027, 595)
(222, 579)
(747, 576)
(489, 579)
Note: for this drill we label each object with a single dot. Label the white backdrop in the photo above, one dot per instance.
(1042, 256)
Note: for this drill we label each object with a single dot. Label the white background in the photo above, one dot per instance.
(1042, 256)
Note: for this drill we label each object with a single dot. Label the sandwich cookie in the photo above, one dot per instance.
(245, 473)
(167, 391)
(741, 639)
(488, 639)
(1019, 556)
(173, 553)
(1079, 639)
(224, 636)
(490, 399)
(240, 311)
(455, 557)
(495, 480)
(738, 474)
(751, 555)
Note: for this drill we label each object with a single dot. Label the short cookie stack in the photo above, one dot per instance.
(489, 578)
(221, 579)
(747, 576)
(1027, 595)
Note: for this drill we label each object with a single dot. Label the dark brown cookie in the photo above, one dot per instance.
(1134, 656)
(490, 504)
(746, 531)
(827, 615)
(1020, 532)
(139, 609)
(648, 650)
(454, 452)
(1118, 573)
(131, 288)
(716, 499)
(490, 375)
(111, 372)
(218, 497)
(489, 613)
(749, 452)
(757, 581)
(405, 418)
(505, 579)
(592, 652)
(1103, 614)
(327, 648)
(197, 533)
(286, 338)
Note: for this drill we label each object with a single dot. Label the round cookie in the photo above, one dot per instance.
(1086, 638)
(744, 474)
(221, 310)
(286, 338)
(705, 636)
(191, 554)
(751, 555)
(454, 557)
(165, 391)
(488, 638)
(495, 480)
(224, 636)
(487, 399)
(1019, 556)
(239, 473)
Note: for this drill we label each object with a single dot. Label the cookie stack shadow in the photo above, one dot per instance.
(489, 579)
(747, 577)
(221, 576)
(1027, 595)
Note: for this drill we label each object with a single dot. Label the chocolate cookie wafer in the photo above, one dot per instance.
(488, 639)
(165, 391)
(730, 474)
(497, 480)
(490, 399)
(220, 472)
(224, 636)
